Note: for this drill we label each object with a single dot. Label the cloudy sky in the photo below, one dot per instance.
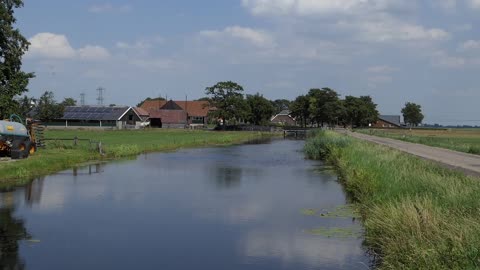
(424, 51)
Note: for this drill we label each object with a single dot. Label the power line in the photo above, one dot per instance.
(82, 99)
(100, 98)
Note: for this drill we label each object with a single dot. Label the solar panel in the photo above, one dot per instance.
(93, 113)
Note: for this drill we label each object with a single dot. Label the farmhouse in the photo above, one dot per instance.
(283, 118)
(176, 114)
(120, 117)
(388, 121)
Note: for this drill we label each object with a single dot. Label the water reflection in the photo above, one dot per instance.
(229, 208)
(12, 230)
(227, 177)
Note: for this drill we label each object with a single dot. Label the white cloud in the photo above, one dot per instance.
(474, 3)
(442, 59)
(322, 7)
(56, 46)
(90, 52)
(381, 69)
(138, 45)
(470, 45)
(386, 29)
(153, 64)
(49, 45)
(107, 8)
(258, 38)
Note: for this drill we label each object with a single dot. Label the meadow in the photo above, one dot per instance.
(462, 140)
(416, 214)
(62, 154)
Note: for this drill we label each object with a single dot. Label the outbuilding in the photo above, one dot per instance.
(388, 121)
(119, 117)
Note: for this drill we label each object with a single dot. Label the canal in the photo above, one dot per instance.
(255, 206)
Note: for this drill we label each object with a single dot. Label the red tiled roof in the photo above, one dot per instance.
(194, 108)
(141, 111)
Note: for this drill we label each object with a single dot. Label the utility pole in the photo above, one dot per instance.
(100, 98)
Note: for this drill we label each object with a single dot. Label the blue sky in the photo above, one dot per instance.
(394, 50)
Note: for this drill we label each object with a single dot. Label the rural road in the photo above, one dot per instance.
(467, 163)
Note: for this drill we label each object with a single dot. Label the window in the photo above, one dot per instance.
(130, 117)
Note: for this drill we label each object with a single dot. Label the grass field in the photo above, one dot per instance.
(463, 140)
(416, 214)
(60, 155)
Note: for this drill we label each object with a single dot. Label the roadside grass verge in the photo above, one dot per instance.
(462, 140)
(60, 155)
(416, 214)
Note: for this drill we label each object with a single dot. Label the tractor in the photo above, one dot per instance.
(16, 140)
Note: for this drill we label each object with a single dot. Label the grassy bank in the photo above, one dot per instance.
(463, 140)
(61, 155)
(417, 215)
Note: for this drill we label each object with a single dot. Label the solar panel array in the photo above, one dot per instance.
(94, 113)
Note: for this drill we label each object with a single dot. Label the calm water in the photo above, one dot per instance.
(221, 208)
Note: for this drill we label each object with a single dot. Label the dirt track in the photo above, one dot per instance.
(468, 163)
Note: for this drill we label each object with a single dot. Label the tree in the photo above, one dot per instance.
(321, 101)
(148, 99)
(260, 109)
(13, 45)
(412, 114)
(68, 102)
(360, 111)
(281, 105)
(48, 109)
(26, 104)
(300, 109)
(228, 101)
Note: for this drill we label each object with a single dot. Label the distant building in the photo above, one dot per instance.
(119, 117)
(283, 118)
(388, 121)
(177, 114)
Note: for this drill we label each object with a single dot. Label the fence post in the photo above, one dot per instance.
(75, 141)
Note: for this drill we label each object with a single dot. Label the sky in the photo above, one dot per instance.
(397, 51)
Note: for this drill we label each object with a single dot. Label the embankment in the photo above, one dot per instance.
(60, 155)
(416, 214)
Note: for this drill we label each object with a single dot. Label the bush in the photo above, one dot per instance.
(321, 146)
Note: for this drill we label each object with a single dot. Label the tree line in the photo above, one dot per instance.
(319, 107)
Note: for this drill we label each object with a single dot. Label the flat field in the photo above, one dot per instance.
(62, 154)
(462, 140)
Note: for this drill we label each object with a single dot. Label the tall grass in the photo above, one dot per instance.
(417, 215)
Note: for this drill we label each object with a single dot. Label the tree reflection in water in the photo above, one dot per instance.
(12, 230)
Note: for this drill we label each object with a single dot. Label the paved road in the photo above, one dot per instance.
(468, 163)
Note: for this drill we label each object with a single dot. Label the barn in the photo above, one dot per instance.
(177, 114)
(388, 121)
(119, 117)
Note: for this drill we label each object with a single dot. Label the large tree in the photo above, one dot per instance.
(68, 102)
(412, 114)
(260, 109)
(48, 109)
(323, 104)
(228, 102)
(13, 81)
(300, 109)
(360, 111)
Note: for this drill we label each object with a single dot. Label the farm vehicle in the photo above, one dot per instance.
(17, 140)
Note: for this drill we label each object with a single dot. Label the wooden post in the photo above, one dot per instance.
(75, 141)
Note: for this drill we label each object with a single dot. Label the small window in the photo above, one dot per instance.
(130, 117)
